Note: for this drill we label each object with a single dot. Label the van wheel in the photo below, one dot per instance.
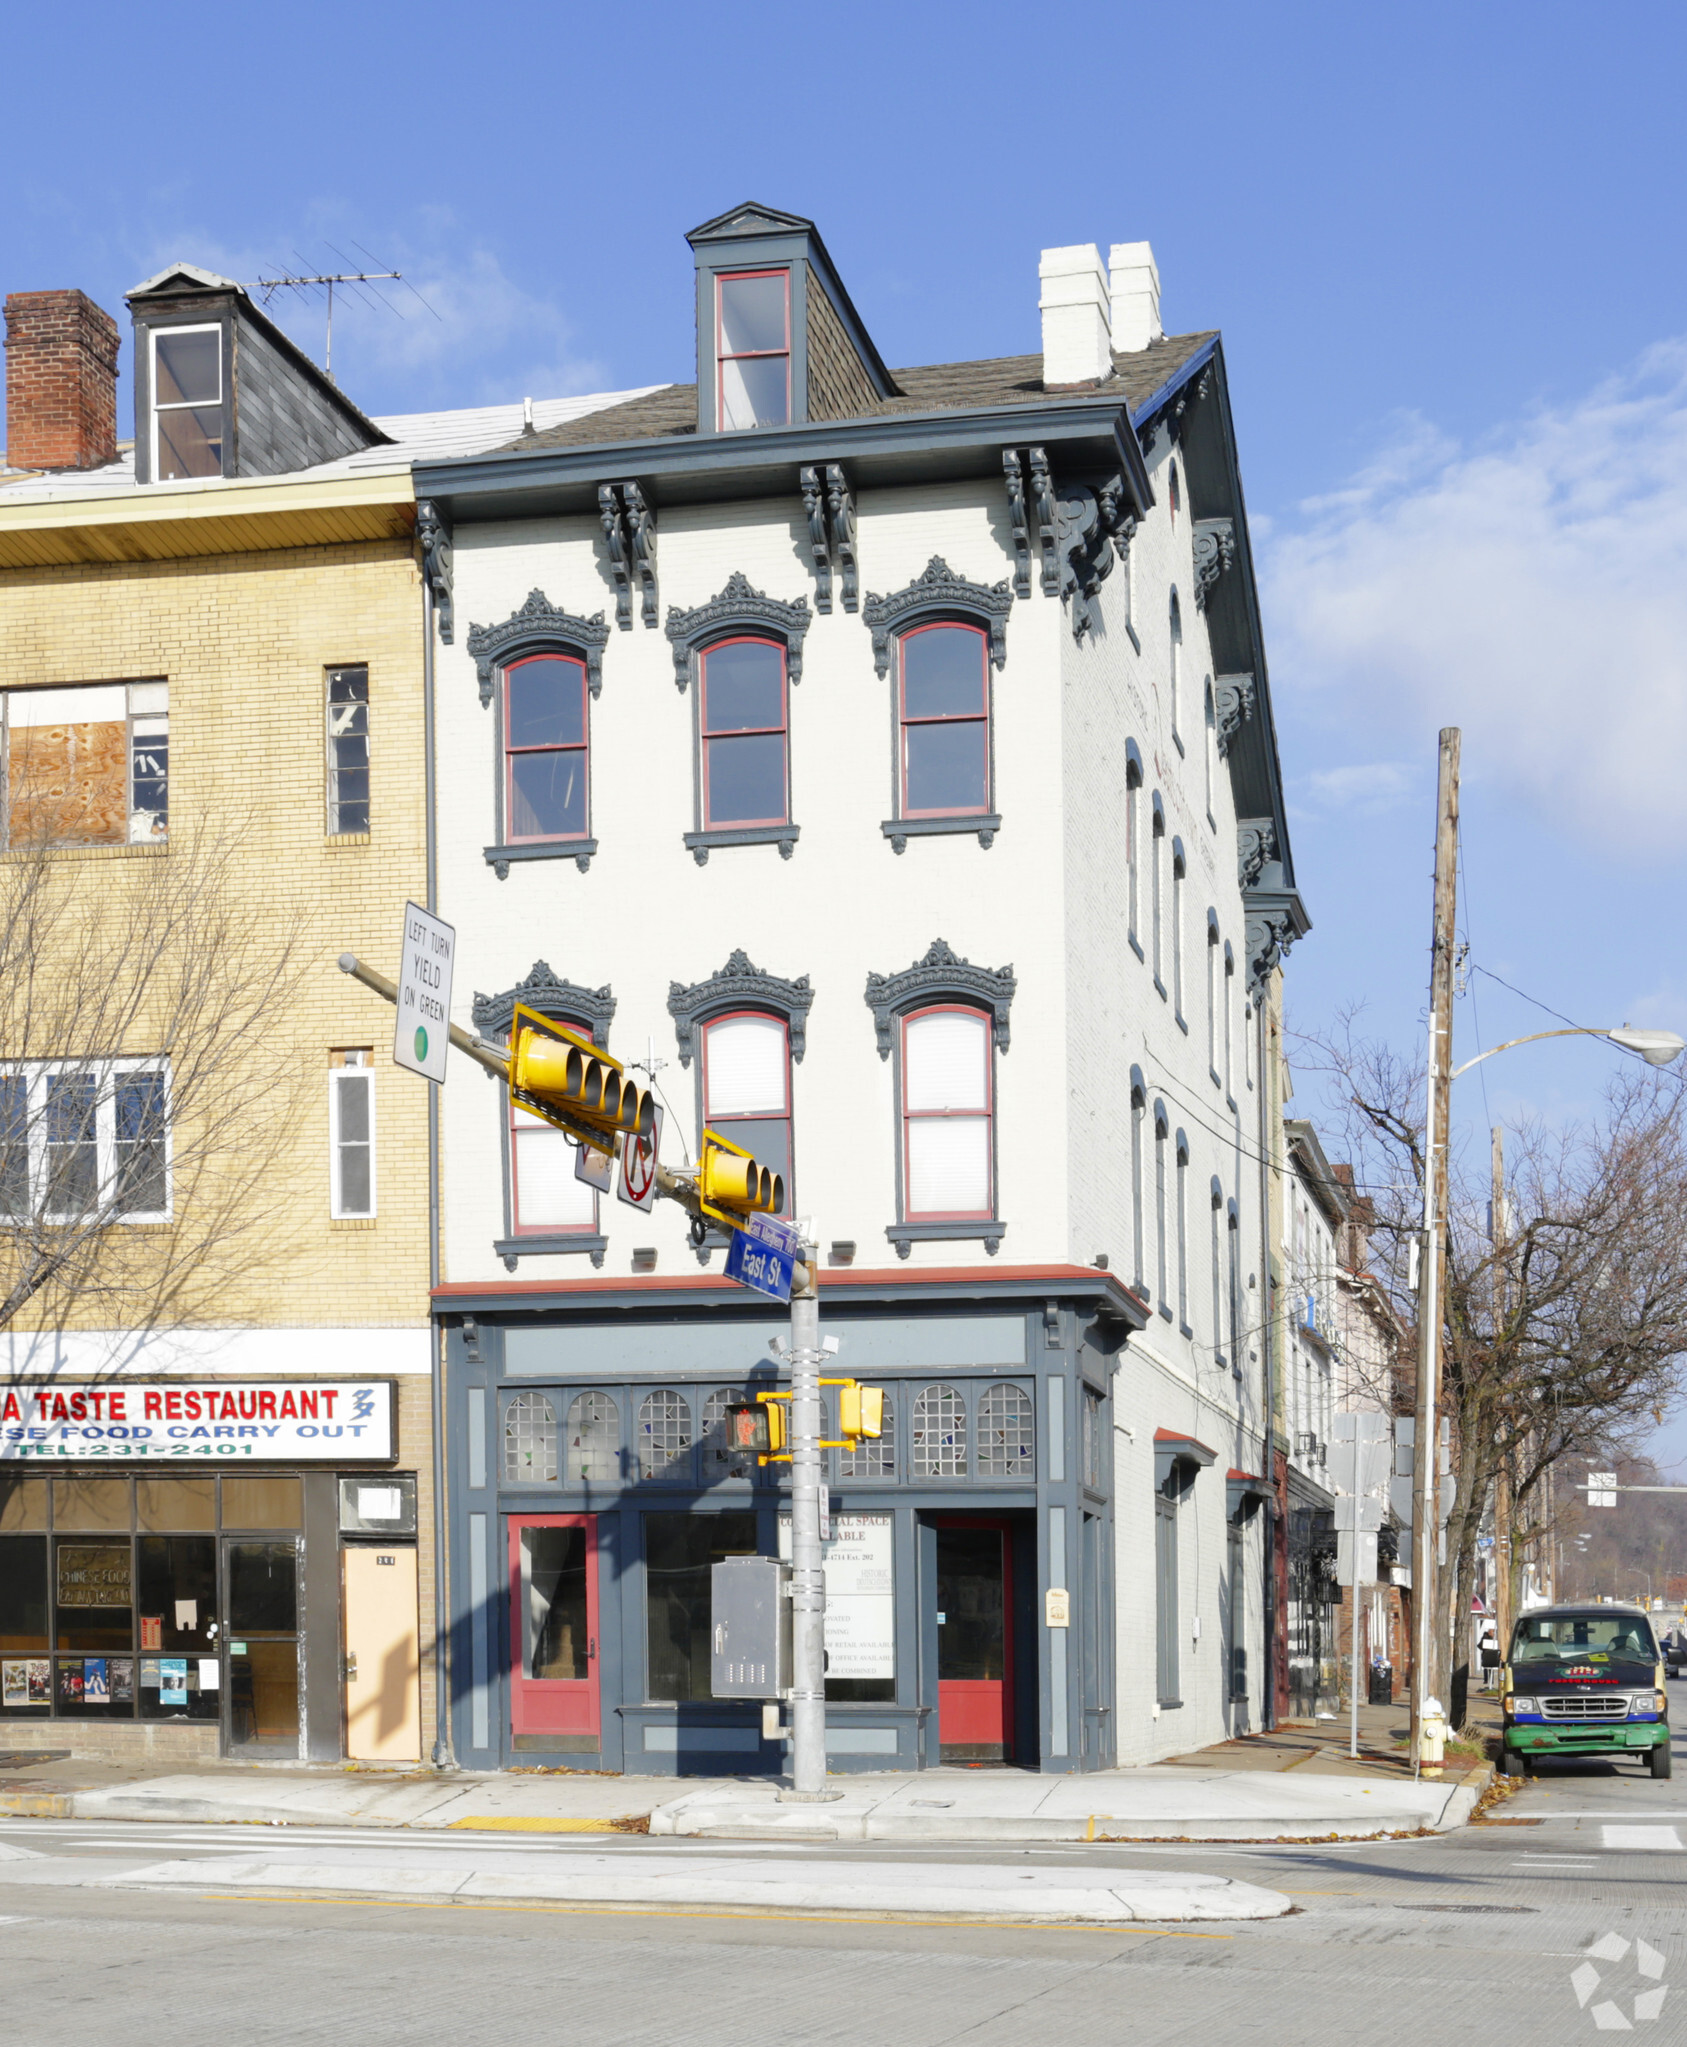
(1511, 1763)
(1661, 1760)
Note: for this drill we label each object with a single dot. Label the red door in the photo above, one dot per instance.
(553, 1633)
(974, 1640)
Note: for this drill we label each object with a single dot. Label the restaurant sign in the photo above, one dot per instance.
(273, 1421)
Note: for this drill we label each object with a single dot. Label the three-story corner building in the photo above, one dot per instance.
(883, 760)
(216, 1504)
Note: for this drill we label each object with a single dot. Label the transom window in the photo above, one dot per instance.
(664, 1437)
(753, 348)
(747, 1088)
(944, 718)
(746, 755)
(946, 1115)
(592, 1439)
(1006, 1445)
(545, 748)
(187, 402)
(530, 1440)
(88, 765)
(85, 1143)
(940, 1433)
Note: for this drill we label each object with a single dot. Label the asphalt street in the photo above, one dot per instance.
(1564, 1918)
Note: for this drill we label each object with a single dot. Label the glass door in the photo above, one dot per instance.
(554, 1699)
(262, 1579)
(974, 1642)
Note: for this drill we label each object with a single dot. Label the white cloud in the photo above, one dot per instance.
(1532, 590)
(1365, 787)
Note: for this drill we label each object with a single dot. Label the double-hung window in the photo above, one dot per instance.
(546, 744)
(746, 765)
(947, 1112)
(753, 349)
(943, 712)
(85, 1143)
(351, 1134)
(88, 765)
(747, 1088)
(1180, 873)
(348, 750)
(547, 1198)
(187, 402)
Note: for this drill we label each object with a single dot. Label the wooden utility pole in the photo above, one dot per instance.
(1499, 1230)
(1428, 1666)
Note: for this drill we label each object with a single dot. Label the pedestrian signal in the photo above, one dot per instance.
(566, 1080)
(757, 1428)
(731, 1185)
(861, 1411)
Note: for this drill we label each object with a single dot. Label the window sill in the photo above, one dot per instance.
(1212, 1075)
(351, 1222)
(1135, 641)
(1182, 1022)
(334, 841)
(1164, 1312)
(148, 849)
(899, 830)
(1160, 989)
(513, 1249)
(701, 844)
(905, 1235)
(580, 851)
(1135, 945)
(1177, 741)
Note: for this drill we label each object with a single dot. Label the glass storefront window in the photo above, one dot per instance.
(176, 1587)
(262, 1503)
(263, 1588)
(23, 1502)
(166, 1503)
(94, 1504)
(263, 1703)
(23, 1611)
(94, 1592)
(679, 1550)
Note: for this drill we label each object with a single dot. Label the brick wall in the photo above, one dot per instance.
(61, 381)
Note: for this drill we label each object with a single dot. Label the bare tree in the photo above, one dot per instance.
(1561, 1341)
(148, 1079)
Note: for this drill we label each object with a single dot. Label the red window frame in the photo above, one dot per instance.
(723, 355)
(724, 1123)
(903, 721)
(986, 1115)
(584, 749)
(783, 728)
(511, 1111)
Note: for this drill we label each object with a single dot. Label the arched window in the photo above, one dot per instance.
(1139, 1197)
(1180, 874)
(1229, 994)
(1177, 670)
(1183, 1233)
(940, 1433)
(546, 747)
(1133, 845)
(592, 1449)
(1234, 1223)
(720, 1459)
(746, 1084)
(947, 1110)
(1157, 883)
(1216, 1261)
(873, 1456)
(1174, 490)
(664, 1437)
(1006, 1448)
(744, 734)
(943, 720)
(1209, 752)
(1215, 994)
(530, 1440)
(1162, 1241)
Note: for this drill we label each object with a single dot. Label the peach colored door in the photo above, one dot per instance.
(383, 1655)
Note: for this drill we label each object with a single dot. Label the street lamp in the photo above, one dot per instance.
(1657, 1048)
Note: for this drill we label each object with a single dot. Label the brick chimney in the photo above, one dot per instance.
(61, 381)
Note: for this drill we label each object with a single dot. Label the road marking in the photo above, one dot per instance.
(1657, 1839)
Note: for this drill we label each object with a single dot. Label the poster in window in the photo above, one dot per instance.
(152, 1631)
(172, 1680)
(96, 1685)
(860, 1565)
(150, 1679)
(14, 1683)
(70, 1684)
(122, 1670)
(40, 1681)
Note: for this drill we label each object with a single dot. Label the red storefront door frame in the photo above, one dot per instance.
(979, 1711)
(570, 1709)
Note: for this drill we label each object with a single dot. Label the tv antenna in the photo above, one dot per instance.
(361, 282)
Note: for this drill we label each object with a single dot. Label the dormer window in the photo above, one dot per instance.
(187, 404)
(753, 348)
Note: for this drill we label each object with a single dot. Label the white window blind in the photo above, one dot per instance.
(744, 1063)
(946, 1093)
(547, 1195)
(945, 1063)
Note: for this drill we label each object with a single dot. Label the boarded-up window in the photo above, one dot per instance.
(86, 766)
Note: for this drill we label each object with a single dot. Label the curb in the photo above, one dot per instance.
(38, 1805)
(1467, 1795)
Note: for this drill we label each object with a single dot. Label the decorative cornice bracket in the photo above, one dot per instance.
(1014, 473)
(1215, 553)
(538, 626)
(1256, 843)
(435, 540)
(1233, 706)
(629, 531)
(941, 972)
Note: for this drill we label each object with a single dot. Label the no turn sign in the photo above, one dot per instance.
(637, 1184)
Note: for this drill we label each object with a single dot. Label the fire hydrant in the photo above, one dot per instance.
(1432, 1738)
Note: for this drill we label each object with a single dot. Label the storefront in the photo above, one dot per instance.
(195, 1568)
(1313, 1645)
(969, 1560)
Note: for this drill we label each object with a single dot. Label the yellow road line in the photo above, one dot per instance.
(509, 1825)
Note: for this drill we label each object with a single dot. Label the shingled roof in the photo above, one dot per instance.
(932, 387)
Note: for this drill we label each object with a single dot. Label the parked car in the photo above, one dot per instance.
(1585, 1680)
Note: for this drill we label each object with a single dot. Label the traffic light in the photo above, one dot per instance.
(758, 1428)
(730, 1184)
(861, 1410)
(567, 1080)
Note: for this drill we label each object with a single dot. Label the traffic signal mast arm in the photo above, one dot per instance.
(575, 1085)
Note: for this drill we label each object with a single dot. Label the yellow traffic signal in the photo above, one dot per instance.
(567, 1080)
(758, 1427)
(861, 1410)
(730, 1184)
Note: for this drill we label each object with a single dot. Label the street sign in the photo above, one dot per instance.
(637, 1184)
(1602, 1488)
(773, 1231)
(422, 1032)
(764, 1268)
(596, 1168)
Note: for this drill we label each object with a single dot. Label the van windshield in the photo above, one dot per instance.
(1567, 1637)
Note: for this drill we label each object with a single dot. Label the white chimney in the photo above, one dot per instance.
(1077, 348)
(1135, 279)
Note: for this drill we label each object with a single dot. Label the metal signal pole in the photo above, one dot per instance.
(1426, 1487)
(808, 1568)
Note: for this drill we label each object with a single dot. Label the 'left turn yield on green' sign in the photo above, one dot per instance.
(422, 1032)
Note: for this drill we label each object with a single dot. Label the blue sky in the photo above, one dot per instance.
(1445, 244)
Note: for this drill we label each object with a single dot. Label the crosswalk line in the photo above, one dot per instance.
(1656, 1839)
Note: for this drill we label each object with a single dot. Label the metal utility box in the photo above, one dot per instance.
(751, 1639)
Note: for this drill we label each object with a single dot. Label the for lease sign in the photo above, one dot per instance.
(337, 1421)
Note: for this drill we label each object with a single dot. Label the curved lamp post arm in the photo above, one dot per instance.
(1657, 1048)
